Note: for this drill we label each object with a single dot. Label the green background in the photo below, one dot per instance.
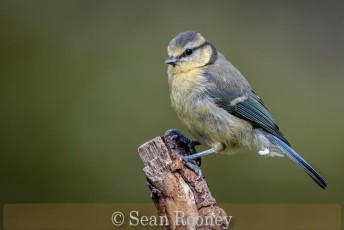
(83, 84)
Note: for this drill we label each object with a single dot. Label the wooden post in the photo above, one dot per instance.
(176, 192)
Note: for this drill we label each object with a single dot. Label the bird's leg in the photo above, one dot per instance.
(198, 155)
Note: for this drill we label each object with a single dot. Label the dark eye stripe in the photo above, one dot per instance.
(194, 49)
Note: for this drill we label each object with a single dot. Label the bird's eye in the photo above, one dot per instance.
(188, 52)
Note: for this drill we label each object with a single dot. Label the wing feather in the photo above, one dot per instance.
(251, 108)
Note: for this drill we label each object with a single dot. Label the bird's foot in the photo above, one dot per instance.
(185, 148)
(180, 139)
(193, 165)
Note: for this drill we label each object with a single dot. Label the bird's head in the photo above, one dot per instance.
(189, 50)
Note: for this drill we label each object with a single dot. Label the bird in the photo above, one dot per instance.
(217, 105)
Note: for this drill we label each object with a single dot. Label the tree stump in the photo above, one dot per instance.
(176, 192)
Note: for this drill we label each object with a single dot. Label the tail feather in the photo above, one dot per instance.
(298, 160)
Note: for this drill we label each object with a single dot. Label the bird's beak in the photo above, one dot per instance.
(171, 60)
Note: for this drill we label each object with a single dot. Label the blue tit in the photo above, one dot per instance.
(218, 106)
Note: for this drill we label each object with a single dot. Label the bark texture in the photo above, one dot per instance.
(176, 192)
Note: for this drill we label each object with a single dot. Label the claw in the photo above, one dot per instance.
(177, 136)
(194, 167)
(192, 164)
(184, 147)
(180, 138)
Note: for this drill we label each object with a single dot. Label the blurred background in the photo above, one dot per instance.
(83, 84)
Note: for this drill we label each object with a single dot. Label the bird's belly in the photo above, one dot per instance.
(212, 125)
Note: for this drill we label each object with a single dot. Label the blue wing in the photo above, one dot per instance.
(251, 108)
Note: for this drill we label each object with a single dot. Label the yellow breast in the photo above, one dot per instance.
(208, 123)
(185, 87)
